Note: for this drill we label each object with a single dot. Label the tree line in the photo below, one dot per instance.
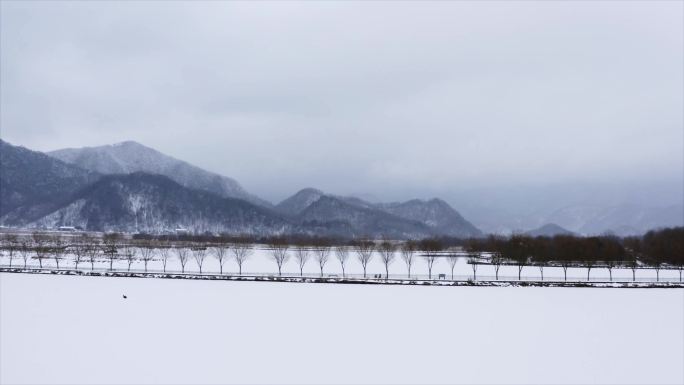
(656, 250)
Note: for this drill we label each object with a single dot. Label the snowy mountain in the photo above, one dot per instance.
(297, 203)
(435, 216)
(129, 157)
(549, 230)
(141, 202)
(620, 220)
(360, 221)
(33, 184)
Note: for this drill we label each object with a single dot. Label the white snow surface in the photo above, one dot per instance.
(71, 329)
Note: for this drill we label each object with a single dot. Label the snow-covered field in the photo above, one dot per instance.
(69, 329)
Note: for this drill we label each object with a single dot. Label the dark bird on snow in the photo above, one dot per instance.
(125, 296)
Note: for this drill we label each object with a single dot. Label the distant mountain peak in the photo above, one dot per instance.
(130, 156)
(297, 203)
(549, 230)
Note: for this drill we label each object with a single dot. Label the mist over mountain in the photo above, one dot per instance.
(433, 216)
(129, 157)
(131, 187)
(549, 230)
(109, 193)
(33, 184)
(149, 203)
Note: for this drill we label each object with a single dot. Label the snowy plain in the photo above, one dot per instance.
(71, 329)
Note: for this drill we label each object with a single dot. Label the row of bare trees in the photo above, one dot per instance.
(655, 250)
(113, 246)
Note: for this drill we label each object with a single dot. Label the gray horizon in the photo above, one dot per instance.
(519, 106)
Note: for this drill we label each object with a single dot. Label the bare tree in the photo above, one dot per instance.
(11, 245)
(589, 263)
(342, 254)
(40, 247)
(78, 247)
(92, 251)
(58, 248)
(279, 248)
(182, 254)
(496, 260)
(221, 253)
(322, 253)
(199, 253)
(364, 252)
(431, 247)
(474, 262)
(387, 249)
(146, 252)
(129, 253)
(164, 253)
(241, 251)
(452, 259)
(408, 250)
(25, 250)
(657, 266)
(111, 243)
(301, 255)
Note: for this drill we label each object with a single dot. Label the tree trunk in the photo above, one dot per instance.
(321, 271)
(57, 262)
(565, 273)
(40, 262)
(588, 271)
(496, 272)
(221, 267)
(364, 271)
(633, 275)
(657, 275)
(92, 265)
(519, 272)
(279, 271)
(452, 273)
(610, 273)
(239, 268)
(409, 271)
(386, 271)
(111, 261)
(343, 271)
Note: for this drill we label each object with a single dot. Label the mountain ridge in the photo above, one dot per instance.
(130, 156)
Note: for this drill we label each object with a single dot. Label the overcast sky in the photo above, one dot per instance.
(381, 99)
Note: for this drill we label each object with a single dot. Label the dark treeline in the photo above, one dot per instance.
(655, 249)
